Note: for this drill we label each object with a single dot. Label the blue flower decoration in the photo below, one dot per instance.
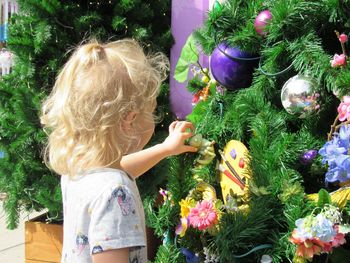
(324, 229)
(190, 256)
(336, 154)
(319, 226)
(344, 136)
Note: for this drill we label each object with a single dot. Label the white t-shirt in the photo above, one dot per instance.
(102, 211)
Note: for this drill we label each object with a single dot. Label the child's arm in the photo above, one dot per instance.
(138, 163)
(112, 256)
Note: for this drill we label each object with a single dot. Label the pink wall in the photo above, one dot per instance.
(187, 15)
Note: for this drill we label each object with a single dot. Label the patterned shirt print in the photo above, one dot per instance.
(124, 200)
(102, 211)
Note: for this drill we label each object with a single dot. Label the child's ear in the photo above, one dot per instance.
(128, 120)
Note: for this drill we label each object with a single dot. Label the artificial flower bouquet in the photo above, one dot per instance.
(318, 233)
(200, 210)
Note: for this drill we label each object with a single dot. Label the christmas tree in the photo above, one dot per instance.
(270, 180)
(41, 36)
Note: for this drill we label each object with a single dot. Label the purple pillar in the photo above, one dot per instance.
(186, 16)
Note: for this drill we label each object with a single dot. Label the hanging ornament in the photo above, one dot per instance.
(232, 67)
(261, 21)
(298, 96)
(6, 61)
(308, 156)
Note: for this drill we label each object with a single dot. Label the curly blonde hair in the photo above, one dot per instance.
(98, 86)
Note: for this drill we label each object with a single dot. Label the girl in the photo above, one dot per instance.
(99, 117)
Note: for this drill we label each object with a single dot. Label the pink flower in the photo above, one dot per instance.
(344, 109)
(339, 238)
(343, 38)
(338, 60)
(203, 216)
(327, 247)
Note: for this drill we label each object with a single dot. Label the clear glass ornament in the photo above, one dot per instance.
(299, 97)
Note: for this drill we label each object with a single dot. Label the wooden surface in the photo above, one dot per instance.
(35, 261)
(153, 244)
(43, 242)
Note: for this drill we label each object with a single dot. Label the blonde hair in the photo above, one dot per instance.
(98, 86)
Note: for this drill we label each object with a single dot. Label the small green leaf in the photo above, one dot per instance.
(323, 198)
(218, 204)
(263, 191)
(212, 87)
(198, 112)
(189, 55)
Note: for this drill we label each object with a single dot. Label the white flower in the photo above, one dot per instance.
(209, 257)
(333, 214)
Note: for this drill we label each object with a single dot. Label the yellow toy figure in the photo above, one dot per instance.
(234, 174)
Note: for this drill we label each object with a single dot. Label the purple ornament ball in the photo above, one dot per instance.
(232, 67)
(308, 156)
(261, 21)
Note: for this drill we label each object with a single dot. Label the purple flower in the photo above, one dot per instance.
(340, 171)
(331, 150)
(344, 136)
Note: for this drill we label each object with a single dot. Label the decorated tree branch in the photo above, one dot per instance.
(277, 189)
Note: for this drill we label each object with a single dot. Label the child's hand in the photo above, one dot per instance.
(174, 144)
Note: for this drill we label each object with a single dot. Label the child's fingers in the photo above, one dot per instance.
(188, 148)
(178, 124)
(185, 125)
(187, 135)
(172, 126)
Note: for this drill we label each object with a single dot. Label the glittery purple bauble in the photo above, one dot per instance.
(308, 156)
(261, 21)
(231, 67)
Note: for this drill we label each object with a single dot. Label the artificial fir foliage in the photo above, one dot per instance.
(300, 40)
(41, 36)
